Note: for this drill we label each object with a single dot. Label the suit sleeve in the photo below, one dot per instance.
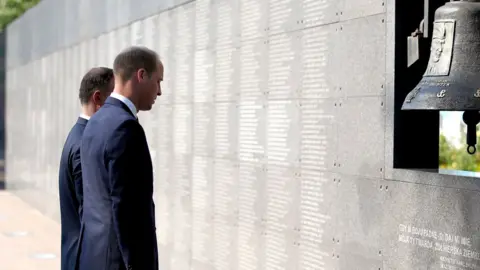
(123, 151)
(77, 179)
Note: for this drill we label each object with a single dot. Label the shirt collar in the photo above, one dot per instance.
(126, 101)
(84, 116)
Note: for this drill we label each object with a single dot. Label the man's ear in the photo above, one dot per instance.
(141, 74)
(97, 98)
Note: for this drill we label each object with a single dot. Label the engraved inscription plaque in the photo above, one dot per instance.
(252, 69)
(225, 130)
(202, 210)
(225, 214)
(165, 30)
(203, 129)
(123, 38)
(150, 33)
(351, 9)
(136, 33)
(165, 133)
(163, 35)
(314, 55)
(317, 137)
(227, 67)
(250, 221)
(203, 76)
(225, 246)
(112, 46)
(225, 190)
(281, 15)
(227, 15)
(164, 176)
(317, 12)
(441, 49)
(283, 134)
(182, 213)
(438, 225)
(103, 47)
(83, 58)
(68, 76)
(251, 133)
(92, 53)
(164, 210)
(182, 128)
(315, 219)
(283, 69)
(203, 16)
(184, 60)
(281, 192)
(147, 119)
(253, 14)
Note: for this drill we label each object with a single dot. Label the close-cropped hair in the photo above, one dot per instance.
(132, 59)
(97, 78)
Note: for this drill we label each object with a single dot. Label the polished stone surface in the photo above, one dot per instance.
(28, 239)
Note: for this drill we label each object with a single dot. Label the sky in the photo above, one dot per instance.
(451, 122)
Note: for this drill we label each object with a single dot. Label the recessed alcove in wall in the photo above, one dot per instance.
(415, 133)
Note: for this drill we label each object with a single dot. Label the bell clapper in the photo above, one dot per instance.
(471, 149)
(471, 119)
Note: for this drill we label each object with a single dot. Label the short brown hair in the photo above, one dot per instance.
(134, 58)
(97, 78)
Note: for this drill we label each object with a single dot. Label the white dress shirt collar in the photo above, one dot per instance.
(84, 116)
(126, 101)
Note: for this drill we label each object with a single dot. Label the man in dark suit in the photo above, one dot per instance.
(118, 229)
(95, 87)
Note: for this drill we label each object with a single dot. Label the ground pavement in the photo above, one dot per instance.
(28, 239)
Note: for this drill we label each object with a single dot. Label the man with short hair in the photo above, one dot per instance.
(118, 212)
(95, 87)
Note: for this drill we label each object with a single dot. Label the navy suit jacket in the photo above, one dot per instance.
(70, 192)
(118, 225)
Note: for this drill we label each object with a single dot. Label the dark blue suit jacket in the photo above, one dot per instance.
(118, 226)
(70, 191)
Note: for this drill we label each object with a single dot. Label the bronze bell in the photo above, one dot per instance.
(451, 81)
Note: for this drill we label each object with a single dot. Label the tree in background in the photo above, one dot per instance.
(12, 9)
(447, 153)
(454, 158)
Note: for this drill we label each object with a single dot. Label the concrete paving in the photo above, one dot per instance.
(28, 239)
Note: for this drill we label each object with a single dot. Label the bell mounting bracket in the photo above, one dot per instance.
(413, 46)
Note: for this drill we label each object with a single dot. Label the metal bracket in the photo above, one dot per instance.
(413, 42)
(426, 17)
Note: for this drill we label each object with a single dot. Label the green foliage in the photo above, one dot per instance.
(12, 9)
(458, 158)
(446, 152)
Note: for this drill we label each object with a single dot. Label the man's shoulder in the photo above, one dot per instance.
(74, 137)
(109, 118)
(104, 125)
(72, 145)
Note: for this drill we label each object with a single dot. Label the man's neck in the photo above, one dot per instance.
(88, 110)
(126, 92)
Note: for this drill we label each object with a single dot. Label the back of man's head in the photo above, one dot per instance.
(132, 59)
(96, 79)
